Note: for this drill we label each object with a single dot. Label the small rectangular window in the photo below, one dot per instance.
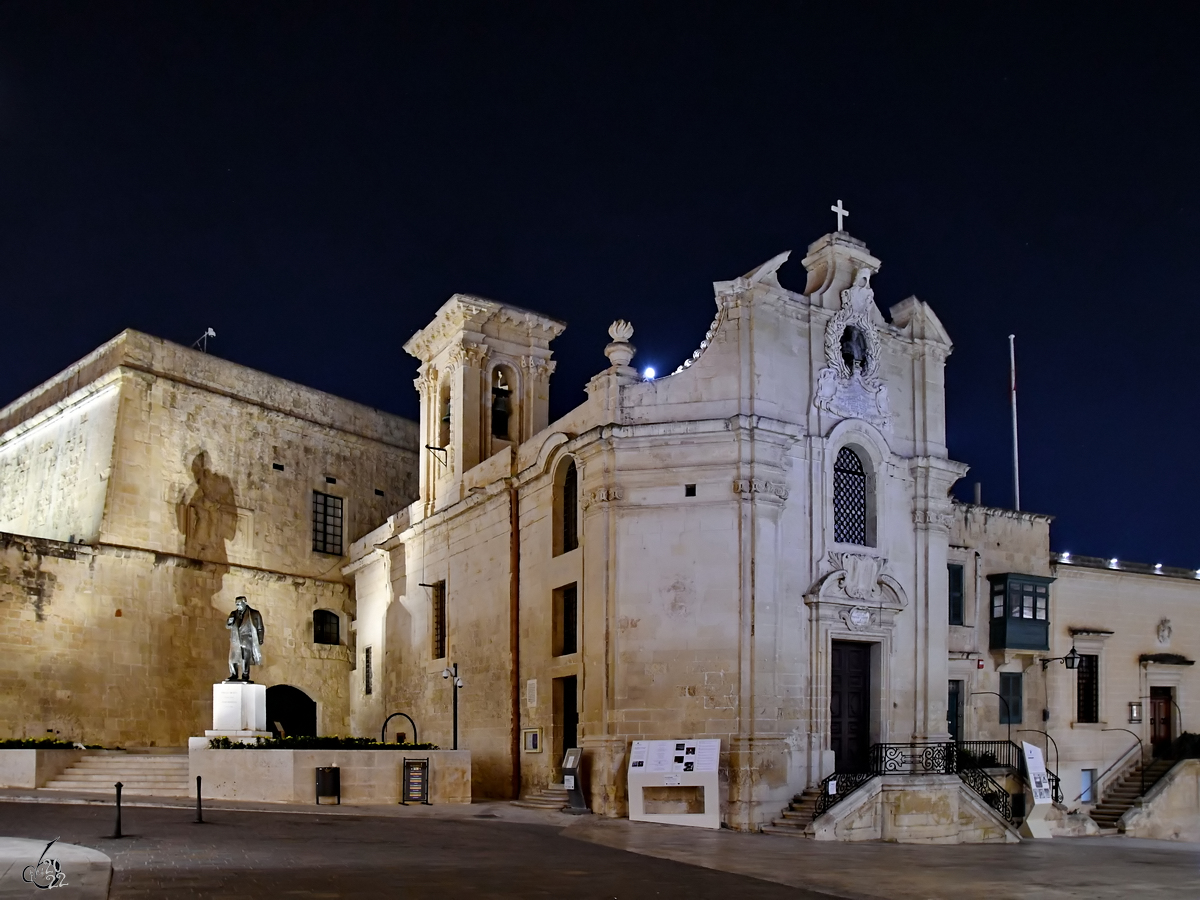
(997, 601)
(326, 627)
(329, 479)
(378, 492)
(278, 467)
(1087, 781)
(955, 572)
(438, 616)
(368, 682)
(566, 620)
(1012, 693)
(1087, 688)
(327, 523)
(689, 490)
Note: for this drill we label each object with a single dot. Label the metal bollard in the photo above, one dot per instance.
(199, 811)
(118, 786)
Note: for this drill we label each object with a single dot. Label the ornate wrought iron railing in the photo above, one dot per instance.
(966, 759)
(837, 787)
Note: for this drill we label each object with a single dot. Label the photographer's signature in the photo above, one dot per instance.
(45, 873)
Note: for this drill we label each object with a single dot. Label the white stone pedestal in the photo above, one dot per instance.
(239, 712)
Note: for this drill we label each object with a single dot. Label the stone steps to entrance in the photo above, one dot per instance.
(160, 774)
(1123, 795)
(796, 820)
(553, 797)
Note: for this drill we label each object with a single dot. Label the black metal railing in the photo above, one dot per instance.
(966, 759)
(837, 787)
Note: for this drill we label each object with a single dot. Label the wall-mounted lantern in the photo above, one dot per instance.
(1135, 712)
(1071, 660)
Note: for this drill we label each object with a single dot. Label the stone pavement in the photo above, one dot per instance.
(498, 850)
(87, 872)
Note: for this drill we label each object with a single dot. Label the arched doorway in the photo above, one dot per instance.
(293, 710)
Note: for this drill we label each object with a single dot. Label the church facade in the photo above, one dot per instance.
(759, 548)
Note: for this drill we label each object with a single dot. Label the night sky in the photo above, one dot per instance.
(313, 180)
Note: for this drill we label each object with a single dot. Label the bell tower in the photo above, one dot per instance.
(484, 382)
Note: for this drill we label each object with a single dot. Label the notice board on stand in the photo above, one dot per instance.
(664, 766)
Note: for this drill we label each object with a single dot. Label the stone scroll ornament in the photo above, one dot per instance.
(849, 386)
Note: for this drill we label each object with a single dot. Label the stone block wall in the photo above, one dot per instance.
(121, 647)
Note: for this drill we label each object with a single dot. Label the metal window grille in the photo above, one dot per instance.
(1011, 689)
(325, 627)
(327, 523)
(570, 619)
(438, 608)
(570, 508)
(849, 499)
(1087, 687)
(955, 574)
(368, 675)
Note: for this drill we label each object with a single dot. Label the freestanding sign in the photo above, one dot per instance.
(1035, 824)
(679, 763)
(414, 786)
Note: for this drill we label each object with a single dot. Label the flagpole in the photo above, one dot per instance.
(1012, 389)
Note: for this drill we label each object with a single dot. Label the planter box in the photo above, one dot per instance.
(33, 768)
(289, 776)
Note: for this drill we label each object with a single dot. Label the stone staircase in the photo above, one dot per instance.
(1119, 798)
(796, 819)
(154, 774)
(553, 797)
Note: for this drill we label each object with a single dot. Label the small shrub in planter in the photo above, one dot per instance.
(41, 744)
(325, 742)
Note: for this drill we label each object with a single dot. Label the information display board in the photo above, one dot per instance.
(414, 786)
(1035, 824)
(676, 763)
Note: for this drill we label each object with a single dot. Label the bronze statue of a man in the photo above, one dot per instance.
(246, 635)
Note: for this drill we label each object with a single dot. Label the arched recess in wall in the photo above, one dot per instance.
(290, 711)
(566, 506)
(504, 404)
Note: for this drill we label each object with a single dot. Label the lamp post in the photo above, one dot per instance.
(1007, 711)
(452, 672)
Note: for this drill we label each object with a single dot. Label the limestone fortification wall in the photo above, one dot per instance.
(55, 466)
(121, 647)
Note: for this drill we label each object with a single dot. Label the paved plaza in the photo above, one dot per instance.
(497, 850)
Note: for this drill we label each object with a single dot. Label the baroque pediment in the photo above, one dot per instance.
(849, 386)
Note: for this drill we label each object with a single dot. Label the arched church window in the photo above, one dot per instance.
(325, 627)
(566, 508)
(849, 498)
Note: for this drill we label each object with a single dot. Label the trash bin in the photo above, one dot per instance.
(329, 783)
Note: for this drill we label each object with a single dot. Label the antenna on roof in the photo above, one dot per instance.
(202, 341)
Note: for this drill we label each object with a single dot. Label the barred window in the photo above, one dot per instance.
(325, 627)
(1087, 687)
(368, 675)
(438, 616)
(327, 523)
(849, 499)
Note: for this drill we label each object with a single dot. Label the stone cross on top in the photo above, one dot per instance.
(841, 213)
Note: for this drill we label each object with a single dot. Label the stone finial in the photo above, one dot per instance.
(620, 351)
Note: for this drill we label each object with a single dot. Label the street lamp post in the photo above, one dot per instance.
(1007, 711)
(452, 672)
